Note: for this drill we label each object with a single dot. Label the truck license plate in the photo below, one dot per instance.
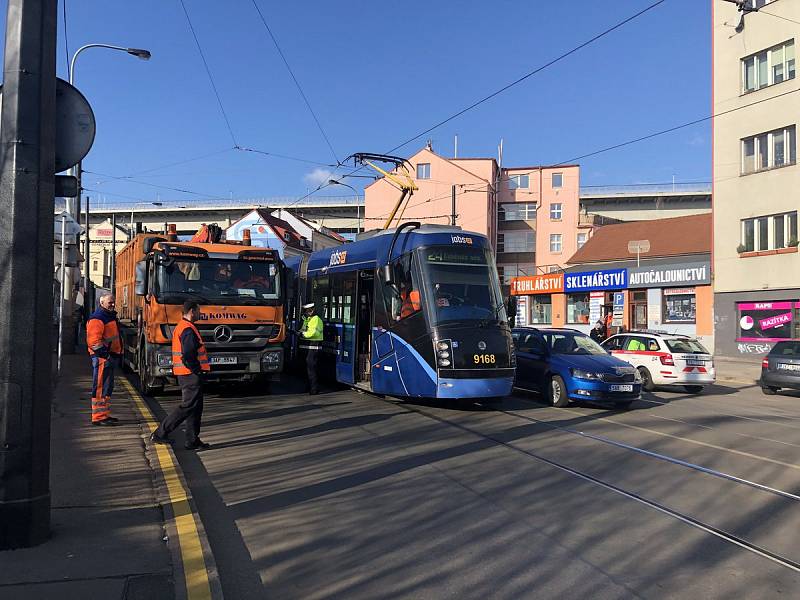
(621, 388)
(788, 367)
(223, 360)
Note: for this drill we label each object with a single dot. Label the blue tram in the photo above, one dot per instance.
(414, 311)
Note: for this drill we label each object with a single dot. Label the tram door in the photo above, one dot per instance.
(366, 290)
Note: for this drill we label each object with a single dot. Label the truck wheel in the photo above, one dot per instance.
(147, 383)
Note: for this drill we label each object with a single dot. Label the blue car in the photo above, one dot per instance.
(565, 364)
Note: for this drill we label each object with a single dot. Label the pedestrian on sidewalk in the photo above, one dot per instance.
(598, 333)
(105, 349)
(189, 365)
(311, 341)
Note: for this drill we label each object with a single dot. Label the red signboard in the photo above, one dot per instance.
(551, 283)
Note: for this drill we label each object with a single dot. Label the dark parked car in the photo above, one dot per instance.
(781, 368)
(565, 364)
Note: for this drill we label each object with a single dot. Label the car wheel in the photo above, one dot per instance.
(647, 380)
(558, 392)
(693, 389)
(770, 390)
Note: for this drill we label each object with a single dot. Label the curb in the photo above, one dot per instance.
(194, 567)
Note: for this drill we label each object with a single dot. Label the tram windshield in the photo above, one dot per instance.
(461, 285)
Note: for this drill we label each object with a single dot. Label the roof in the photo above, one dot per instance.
(677, 236)
(281, 228)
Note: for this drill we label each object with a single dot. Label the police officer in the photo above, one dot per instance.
(311, 341)
(105, 348)
(189, 364)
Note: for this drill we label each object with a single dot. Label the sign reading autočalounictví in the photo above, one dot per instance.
(607, 279)
(694, 273)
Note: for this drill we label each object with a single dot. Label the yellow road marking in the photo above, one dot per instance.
(691, 441)
(194, 566)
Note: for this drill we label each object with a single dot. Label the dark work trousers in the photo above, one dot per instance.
(311, 366)
(189, 410)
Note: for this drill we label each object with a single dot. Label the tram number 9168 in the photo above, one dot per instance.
(484, 359)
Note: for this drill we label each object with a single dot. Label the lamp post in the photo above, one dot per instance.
(133, 209)
(358, 207)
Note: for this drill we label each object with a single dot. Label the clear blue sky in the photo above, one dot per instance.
(378, 73)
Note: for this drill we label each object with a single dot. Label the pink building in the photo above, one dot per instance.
(530, 214)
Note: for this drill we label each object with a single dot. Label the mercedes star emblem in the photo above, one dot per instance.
(223, 334)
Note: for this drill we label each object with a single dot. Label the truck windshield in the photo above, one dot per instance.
(218, 281)
(461, 284)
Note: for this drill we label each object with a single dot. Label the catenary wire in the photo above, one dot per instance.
(208, 72)
(530, 74)
(296, 82)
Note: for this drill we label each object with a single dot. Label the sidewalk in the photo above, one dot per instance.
(737, 370)
(108, 533)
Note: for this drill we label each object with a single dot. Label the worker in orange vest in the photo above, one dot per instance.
(105, 348)
(409, 303)
(189, 364)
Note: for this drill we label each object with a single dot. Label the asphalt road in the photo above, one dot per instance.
(346, 495)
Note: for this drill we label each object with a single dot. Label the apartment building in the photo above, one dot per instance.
(530, 213)
(755, 176)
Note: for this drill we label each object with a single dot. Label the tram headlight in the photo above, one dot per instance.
(443, 346)
(444, 354)
(443, 362)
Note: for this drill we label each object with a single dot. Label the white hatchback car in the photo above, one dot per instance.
(665, 359)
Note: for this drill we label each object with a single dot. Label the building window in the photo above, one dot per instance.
(424, 171)
(541, 309)
(769, 233)
(558, 180)
(521, 211)
(769, 150)
(94, 265)
(756, 4)
(555, 242)
(516, 241)
(577, 308)
(516, 182)
(553, 269)
(516, 270)
(680, 305)
(555, 211)
(581, 240)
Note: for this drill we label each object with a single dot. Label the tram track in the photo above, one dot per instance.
(687, 519)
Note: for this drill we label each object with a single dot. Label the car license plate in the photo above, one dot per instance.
(695, 363)
(621, 388)
(788, 367)
(223, 360)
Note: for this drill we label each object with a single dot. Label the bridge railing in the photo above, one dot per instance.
(703, 187)
(102, 205)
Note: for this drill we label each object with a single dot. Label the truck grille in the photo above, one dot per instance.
(241, 336)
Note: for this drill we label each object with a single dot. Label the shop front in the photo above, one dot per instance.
(535, 297)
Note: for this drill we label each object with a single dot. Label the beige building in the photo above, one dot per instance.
(755, 176)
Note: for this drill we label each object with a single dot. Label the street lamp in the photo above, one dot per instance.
(133, 209)
(358, 207)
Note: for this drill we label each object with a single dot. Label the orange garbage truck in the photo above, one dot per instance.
(240, 290)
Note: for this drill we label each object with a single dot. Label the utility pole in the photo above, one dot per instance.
(86, 281)
(113, 253)
(453, 206)
(27, 189)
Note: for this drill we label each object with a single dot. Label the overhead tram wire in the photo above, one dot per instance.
(162, 187)
(508, 86)
(296, 82)
(530, 74)
(208, 72)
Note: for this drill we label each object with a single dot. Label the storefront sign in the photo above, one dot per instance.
(679, 292)
(767, 321)
(696, 273)
(550, 283)
(609, 279)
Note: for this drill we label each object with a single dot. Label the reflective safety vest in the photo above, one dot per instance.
(178, 368)
(102, 330)
(311, 333)
(410, 303)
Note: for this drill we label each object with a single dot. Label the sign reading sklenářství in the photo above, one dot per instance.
(608, 279)
(695, 273)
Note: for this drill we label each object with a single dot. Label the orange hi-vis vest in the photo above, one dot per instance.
(178, 368)
(102, 331)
